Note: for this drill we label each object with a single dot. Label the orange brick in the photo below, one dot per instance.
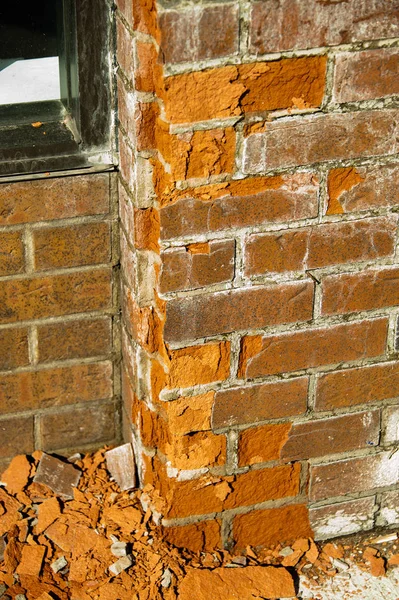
(148, 72)
(196, 365)
(72, 246)
(339, 182)
(261, 444)
(145, 17)
(234, 90)
(208, 495)
(14, 348)
(144, 324)
(146, 229)
(271, 526)
(78, 427)
(187, 415)
(56, 295)
(239, 406)
(196, 450)
(16, 436)
(203, 153)
(357, 386)
(55, 387)
(74, 339)
(46, 199)
(313, 348)
(12, 253)
(197, 537)
(353, 292)
(320, 246)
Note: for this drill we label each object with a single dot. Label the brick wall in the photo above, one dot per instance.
(259, 198)
(58, 387)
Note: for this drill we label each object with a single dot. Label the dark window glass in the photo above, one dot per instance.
(29, 50)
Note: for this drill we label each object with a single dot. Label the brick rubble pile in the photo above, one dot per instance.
(68, 531)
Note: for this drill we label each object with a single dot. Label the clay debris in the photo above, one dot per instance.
(68, 532)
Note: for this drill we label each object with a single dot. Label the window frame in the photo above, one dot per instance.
(79, 131)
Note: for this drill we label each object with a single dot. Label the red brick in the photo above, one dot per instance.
(332, 436)
(361, 188)
(12, 253)
(357, 386)
(47, 199)
(55, 387)
(183, 270)
(14, 348)
(248, 88)
(366, 75)
(72, 246)
(344, 518)
(126, 161)
(353, 475)
(125, 50)
(286, 142)
(74, 339)
(271, 526)
(16, 435)
(128, 262)
(320, 246)
(211, 314)
(197, 537)
(293, 24)
(242, 203)
(352, 292)
(145, 117)
(197, 365)
(77, 427)
(312, 348)
(199, 33)
(239, 406)
(144, 324)
(56, 295)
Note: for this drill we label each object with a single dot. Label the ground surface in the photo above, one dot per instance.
(67, 531)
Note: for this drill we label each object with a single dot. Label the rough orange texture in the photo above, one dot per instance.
(198, 537)
(199, 364)
(271, 526)
(146, 114)
(234, 90)
(203, 153)
(262, 444)
(196, 451)
(145, 324)
(12, 253)
(146, 229)
(208, 494)
(340, 181)
(187, 415)
(148, 71)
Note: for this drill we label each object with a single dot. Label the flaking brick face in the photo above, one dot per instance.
(257, 296)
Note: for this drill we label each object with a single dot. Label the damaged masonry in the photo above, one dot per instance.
(82, 538)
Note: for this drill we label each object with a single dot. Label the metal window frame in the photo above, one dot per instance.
(79, 131)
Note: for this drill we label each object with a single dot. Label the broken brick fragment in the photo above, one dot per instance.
(59, 476)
